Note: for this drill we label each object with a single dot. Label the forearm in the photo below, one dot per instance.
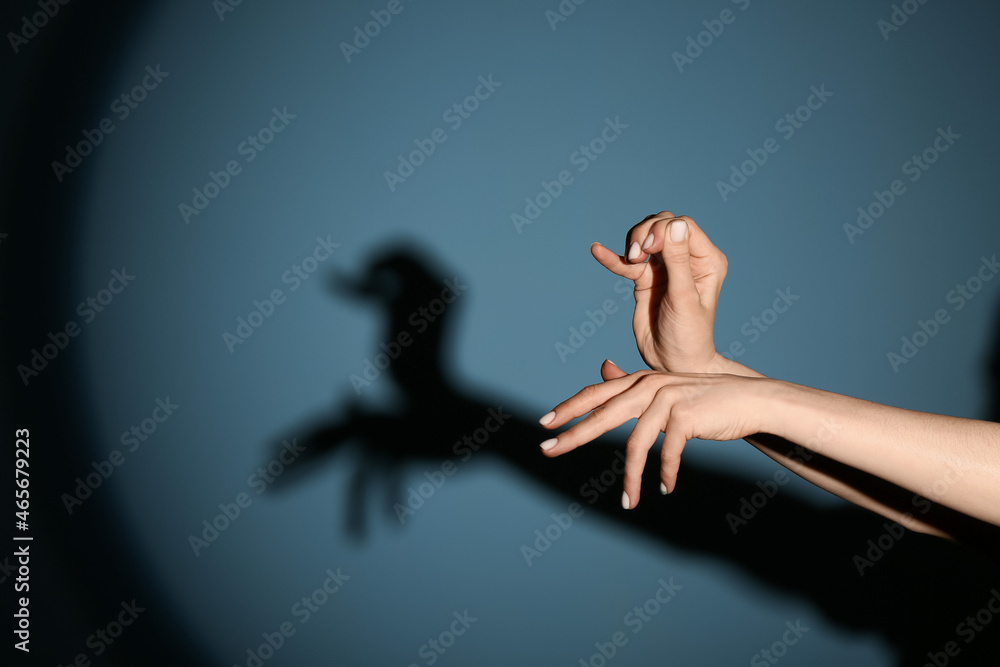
(851, 484)
(950, 460)
(858, 487)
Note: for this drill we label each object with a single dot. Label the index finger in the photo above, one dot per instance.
(602, 418)
(587, 399)
(637, 236)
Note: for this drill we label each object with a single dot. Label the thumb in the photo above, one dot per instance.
(676, 256)
(609, 371)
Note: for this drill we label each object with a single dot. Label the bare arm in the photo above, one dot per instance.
(956, 461)
(863, 489)
(952, 460)
(677, 291)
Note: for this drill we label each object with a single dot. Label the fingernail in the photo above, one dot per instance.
(608, 361)
(648, 242)
(625, 501)
(549, 444)
(663, 488)
(678, 230)
(547, 419)
(633, 252)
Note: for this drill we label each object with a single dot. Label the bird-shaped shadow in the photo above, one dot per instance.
(867, 575)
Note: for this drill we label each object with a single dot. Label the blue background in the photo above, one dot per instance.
(324, 176)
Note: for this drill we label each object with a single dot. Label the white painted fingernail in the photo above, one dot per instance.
(625, 501)
(678, 230)
(663, 488)
(648, 242)
(549, 444)
(547, 419)
(633, 251)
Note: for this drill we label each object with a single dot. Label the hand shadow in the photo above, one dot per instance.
(865, 573)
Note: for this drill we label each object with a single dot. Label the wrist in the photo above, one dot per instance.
(721, 364)
(776, 407)
(801, 415)
(773, 407)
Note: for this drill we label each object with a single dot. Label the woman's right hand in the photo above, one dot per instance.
(676, 291)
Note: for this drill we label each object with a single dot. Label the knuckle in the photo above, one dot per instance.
(665, 387)
(670, 460)
(641, 226)
(722, 260)
(680, 413)
(633, 447)
(666, 394)
(678, 256)
(649, 381)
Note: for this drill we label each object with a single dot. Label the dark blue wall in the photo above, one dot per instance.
(679, 128)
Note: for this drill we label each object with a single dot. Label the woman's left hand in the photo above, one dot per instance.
(681, 405)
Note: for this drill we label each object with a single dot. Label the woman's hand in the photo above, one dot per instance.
(676, 291)
(683, 406)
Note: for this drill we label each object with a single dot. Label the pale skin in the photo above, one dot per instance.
(874, 455)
